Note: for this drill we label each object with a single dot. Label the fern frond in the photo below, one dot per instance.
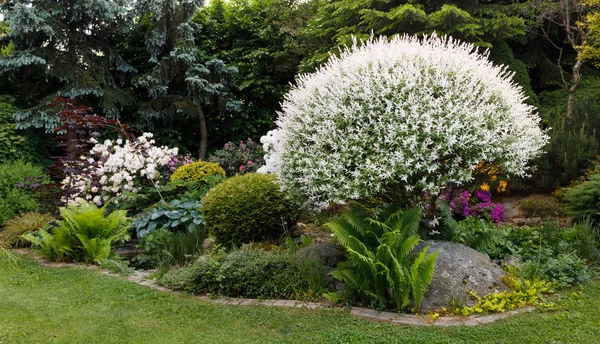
(411, 220)
(408, 246)
(422, 274)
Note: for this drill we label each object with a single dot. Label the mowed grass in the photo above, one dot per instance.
(76, 305)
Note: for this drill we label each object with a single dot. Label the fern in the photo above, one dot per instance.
(83, 234)
(382, 267)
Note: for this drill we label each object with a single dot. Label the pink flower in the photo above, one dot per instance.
(242, 167)
(249, 162)
(226, 145)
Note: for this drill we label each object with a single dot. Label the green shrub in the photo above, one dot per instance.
(568, 154)
(251, 273)
(247, 208)
(197, 171)
(242, 158)
(83, 234)
(15, 196)
(382, 267)
(564, 270)
(478, 233)
(14, 145)
(583, 200)
(17, 226)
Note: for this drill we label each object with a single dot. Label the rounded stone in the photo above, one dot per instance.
(325, 252)
(458, 270)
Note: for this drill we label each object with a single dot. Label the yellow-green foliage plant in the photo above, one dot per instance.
(525, 293)
(12, 230)
(197, 172)
(247, 208)
(84, 233)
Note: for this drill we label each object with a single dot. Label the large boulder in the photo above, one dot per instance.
(325, 252)
(459, 269)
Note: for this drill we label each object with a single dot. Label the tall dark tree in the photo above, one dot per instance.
(182, 80)
(65, 49)
(263, 39)
(480, 22)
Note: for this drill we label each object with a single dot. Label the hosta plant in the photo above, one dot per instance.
(179, 215)
(399, 118)
(84, 233)
(383, 267)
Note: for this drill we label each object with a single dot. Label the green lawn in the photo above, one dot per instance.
(74, 305)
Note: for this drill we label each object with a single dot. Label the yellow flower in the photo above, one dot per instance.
(494, 178)
(485, 187)
(502, 186)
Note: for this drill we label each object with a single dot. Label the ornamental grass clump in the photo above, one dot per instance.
(400, 117)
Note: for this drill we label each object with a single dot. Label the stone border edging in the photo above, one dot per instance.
(141, 278)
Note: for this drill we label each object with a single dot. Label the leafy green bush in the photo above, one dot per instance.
(478, 233)
(170, 233)
(583, 200)
(568, 154)
(247, 208)
(197, 171)
(12, 230)
(83, 234)
(564, 270)
(14, 195)
(242, 158)
(251, 273)
(13, 144)
(381, 266)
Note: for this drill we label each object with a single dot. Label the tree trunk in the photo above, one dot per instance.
(572, 89)
(203, 132)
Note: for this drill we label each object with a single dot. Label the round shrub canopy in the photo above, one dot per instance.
(197, 171)
(247, 208)
(405, 114)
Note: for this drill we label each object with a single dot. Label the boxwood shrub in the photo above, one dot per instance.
(247, 208)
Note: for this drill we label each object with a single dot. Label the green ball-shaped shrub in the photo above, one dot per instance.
(197, 171)
(247, 208)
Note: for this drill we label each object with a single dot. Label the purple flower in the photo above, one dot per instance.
(485, 196)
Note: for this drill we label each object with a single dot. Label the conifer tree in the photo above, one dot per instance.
(65, 49)
(183, 80)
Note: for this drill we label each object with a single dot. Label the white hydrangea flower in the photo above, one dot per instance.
(412, 113)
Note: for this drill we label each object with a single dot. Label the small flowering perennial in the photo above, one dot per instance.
(404, 114)
(121, 165)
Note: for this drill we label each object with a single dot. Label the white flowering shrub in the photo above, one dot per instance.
(120, 165)
(406, 115)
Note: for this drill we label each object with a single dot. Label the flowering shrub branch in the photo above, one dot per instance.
(121, 165)
(404, 115)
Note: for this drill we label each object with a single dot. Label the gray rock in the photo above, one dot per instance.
(325, 252)
(512, 260)
(459, 269)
